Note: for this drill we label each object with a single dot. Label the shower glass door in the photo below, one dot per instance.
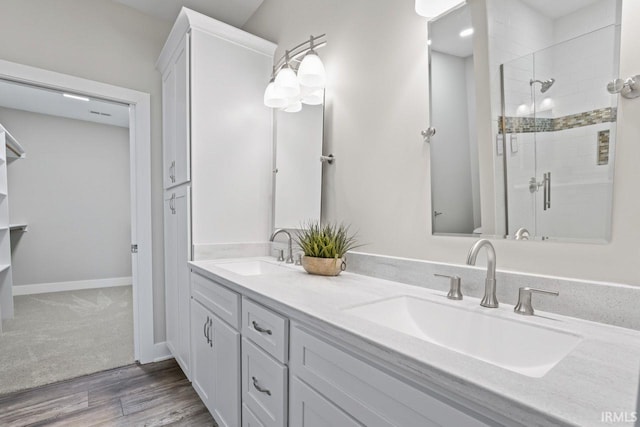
(559, 125)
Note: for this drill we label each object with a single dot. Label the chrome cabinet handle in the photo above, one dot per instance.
(204, 329)
(172, 171)
(210, 328)
(172, 204)
(524, 306)
(260, 389)
(260, 329)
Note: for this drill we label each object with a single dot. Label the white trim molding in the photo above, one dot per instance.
(44, 288)
(140, 149)
(161, 352)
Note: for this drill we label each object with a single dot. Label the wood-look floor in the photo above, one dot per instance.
(156, 394)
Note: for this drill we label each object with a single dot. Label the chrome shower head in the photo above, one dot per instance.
(545, 85)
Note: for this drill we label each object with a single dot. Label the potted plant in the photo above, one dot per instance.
(324, 247)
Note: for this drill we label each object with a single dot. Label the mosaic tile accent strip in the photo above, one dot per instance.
(530, 124)
(603, 147)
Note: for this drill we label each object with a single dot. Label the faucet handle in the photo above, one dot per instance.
(280, 255)
(454, 286)
(524, 306)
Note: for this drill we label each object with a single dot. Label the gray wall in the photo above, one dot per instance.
(73, 191)
(104, 41)
(377, 103)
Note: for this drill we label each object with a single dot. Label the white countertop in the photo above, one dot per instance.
(601, 374)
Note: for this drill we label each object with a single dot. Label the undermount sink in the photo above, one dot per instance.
(253, 267)
(518, 346)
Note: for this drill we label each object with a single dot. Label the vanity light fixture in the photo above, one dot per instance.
(296, 81)
(273, 97)
(76, 97)
(433, 8)
(466, 33)
(311, 72)
(286, 80)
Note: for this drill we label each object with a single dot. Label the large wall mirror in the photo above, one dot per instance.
(541, 68)
(297, 166)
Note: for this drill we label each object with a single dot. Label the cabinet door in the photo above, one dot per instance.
(225, 395)
(182, 168)
(201, 352)
(170, 274)
(183, 249)
(169, 125)
(176, 117)
(310, 409)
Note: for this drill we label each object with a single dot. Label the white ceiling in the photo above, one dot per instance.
(50, 102)
(232, 12)
(444, 33)
(557, 8)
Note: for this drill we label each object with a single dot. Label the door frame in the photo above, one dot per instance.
(140, 182)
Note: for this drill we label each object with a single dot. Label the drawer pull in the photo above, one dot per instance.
(260, 389)
(261, 330)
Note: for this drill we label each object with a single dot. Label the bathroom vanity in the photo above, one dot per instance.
(274, 346)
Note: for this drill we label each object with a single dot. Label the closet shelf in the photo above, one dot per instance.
(14, 149)
(18, 227)
(4, 267)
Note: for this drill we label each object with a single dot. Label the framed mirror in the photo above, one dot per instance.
(542, 168)
(297, 166)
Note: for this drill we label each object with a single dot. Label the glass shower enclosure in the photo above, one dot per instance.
(558, 123)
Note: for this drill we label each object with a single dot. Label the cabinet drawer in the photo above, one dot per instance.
(264, 386)
(220, 300)
(368, 394)
(267, 329)
(309, 409)
(249, 419)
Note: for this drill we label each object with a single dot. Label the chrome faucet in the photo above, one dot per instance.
(489, 300)
(282, 230)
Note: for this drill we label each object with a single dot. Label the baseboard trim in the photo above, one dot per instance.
(43, 288)
(161, 352)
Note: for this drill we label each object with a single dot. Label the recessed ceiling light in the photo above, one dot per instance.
(78, 97)
(466, 33)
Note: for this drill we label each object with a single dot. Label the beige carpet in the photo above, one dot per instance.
(62, 335)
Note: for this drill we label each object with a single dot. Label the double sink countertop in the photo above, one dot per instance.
(596, 382)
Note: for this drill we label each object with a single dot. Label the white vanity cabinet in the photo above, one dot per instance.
(265, 353)
(217, 143)
(216, 350)
(177, 249)
(365, 392)
(253, 366)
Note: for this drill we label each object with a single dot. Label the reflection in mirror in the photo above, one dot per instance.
(298, 177)
(553, 121)
(454, 151)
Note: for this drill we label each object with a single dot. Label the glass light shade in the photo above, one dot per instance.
(294, 107)
(433, 8)
(311, 72)
(273, 98)
(287, 83)
(314, 98)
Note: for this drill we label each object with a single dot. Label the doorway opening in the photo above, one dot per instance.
(106, 105)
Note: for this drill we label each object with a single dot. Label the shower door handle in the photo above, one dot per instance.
(547, 191)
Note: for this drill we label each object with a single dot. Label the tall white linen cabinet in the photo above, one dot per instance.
(217, 153)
